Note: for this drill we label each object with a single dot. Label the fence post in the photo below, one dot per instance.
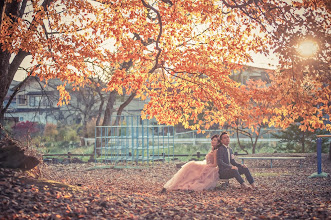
(194, 137)
(330, 151)
(319, 158)
(198, 154)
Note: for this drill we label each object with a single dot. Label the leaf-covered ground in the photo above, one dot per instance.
(99, 191)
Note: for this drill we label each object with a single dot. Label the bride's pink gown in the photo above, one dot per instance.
(195, 175)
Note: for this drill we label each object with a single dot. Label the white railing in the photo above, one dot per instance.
(193, 136)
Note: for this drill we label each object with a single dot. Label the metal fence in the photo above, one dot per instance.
(133, 139)
(194, 137)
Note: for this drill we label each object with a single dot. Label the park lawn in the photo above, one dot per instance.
(102, 191)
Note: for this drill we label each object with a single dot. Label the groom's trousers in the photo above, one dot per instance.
(231, 173)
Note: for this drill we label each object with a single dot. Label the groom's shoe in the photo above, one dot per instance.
(163, 190)
(245, 186)
(254, 186)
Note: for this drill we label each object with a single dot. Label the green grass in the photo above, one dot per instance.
(188, 149)
(116, 167)
(272, 174)
(266, 174)
(64, 147)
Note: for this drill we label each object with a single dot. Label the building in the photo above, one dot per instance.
(37, 102)
(32, 102)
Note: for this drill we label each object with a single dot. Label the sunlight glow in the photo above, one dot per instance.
(307, 48)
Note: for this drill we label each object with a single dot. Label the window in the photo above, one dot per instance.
(45, 102)
(22, 100)
(36, 101)
(32, 101)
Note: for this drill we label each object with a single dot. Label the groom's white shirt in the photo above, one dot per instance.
(228, 150)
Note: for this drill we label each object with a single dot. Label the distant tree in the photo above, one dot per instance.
(50, 131)
(253, 136)
(255, 115)
(24, 130)
(297, 140)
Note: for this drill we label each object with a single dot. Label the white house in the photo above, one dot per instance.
(33, 102)
(37, 102)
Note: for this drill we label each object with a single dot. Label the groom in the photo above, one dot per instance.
(228, 167)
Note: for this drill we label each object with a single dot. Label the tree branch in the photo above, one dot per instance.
(122, 106)
(158, 37)
(17, 89)
(23, 6)
(16, 63)
(236, 5)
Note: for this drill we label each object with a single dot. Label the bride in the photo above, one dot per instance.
(197, 175)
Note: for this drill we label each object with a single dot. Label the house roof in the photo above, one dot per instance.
(18, 110)
(40, 93)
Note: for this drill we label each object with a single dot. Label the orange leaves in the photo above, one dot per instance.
(64, 95)
(201, 47)
(230, 18)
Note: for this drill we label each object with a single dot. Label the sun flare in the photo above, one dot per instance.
(307, 48)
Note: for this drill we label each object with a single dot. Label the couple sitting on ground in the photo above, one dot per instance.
(204, 175)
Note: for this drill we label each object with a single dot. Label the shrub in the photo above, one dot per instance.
(90, 126)
(67, 133)
(24, 131)
(50, 132)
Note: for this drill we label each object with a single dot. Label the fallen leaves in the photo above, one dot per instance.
(75, 191)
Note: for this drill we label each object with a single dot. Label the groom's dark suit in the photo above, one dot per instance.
(225, 163)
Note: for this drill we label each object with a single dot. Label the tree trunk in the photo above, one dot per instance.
(85, 133)
(7, 73)
(86, 117)
(102, 102)
(4, 83)
(106, 120)
(97, 123)
(122, 106)
(15, 10)
(109, 109)
(241, 147)
(303, 142)
(255, 142)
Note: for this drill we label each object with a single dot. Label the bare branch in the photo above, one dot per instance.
(23, 6)
(17, 89)
(236, 5)
(122, 106)
(158, 37)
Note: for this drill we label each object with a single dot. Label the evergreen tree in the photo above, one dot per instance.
(297, 140)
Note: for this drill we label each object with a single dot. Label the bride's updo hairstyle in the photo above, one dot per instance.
(218, 140)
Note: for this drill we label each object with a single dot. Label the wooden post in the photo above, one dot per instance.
(319, 158)
(330, 151)
(198, 155)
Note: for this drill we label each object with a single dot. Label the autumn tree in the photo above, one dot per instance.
(300, 89)
(292, 89)
(179, 54)
(86, 104)
(54, 34)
